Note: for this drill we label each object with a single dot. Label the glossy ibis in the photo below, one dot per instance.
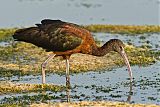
(65, 39)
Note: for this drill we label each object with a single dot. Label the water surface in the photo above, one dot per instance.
(104, 85)
(20, 13)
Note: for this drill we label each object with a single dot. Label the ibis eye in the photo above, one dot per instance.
(121, 48)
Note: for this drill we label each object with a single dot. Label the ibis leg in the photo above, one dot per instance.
(130, 92)
(43, 66)
(68, 93)
(67, 80)
(67, 72)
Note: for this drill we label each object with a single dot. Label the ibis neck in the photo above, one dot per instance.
(101, 51)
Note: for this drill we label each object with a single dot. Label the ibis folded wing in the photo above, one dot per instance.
(49, 36)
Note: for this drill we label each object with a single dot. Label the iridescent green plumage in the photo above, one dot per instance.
(48, 35)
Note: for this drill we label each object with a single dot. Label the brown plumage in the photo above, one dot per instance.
(65, 39)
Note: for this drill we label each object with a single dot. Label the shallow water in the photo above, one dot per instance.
(104, 85)
(20, 13)
(4, 44)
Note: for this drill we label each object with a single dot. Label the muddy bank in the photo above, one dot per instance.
(93, 104)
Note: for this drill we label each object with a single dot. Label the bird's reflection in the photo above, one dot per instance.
(68, 87)
(129, 98)
(130, 92)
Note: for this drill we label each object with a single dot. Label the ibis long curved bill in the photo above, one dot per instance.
(123, 54)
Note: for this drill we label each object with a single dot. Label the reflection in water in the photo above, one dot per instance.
(130, 93)
(68, 87)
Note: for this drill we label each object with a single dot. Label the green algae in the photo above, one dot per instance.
(24, 89)
(11, 105)
(5, 34)
(9, 87)
(25, 100)
(142, 56)
(124, 29)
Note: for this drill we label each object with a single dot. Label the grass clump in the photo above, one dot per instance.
(140, 56)
(5, 34)
(124, 29)
(11, 105)
(26, 100)
(9, 87)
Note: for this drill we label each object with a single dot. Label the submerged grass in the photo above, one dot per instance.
(10, 87)
(26, 100)
(37, 93)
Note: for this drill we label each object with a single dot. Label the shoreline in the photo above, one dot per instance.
(93, 104)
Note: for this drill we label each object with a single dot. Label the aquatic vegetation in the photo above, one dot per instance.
(102, 89)
(40, 90)
(6, 33)
(140, 56)
(9, 87)
(124, 29)
(11, 105)
(25, 100)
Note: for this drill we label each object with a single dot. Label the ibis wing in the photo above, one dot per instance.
(49, 21)
(53, 35)
(50, 25)
(48, 37)
(63, 42)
